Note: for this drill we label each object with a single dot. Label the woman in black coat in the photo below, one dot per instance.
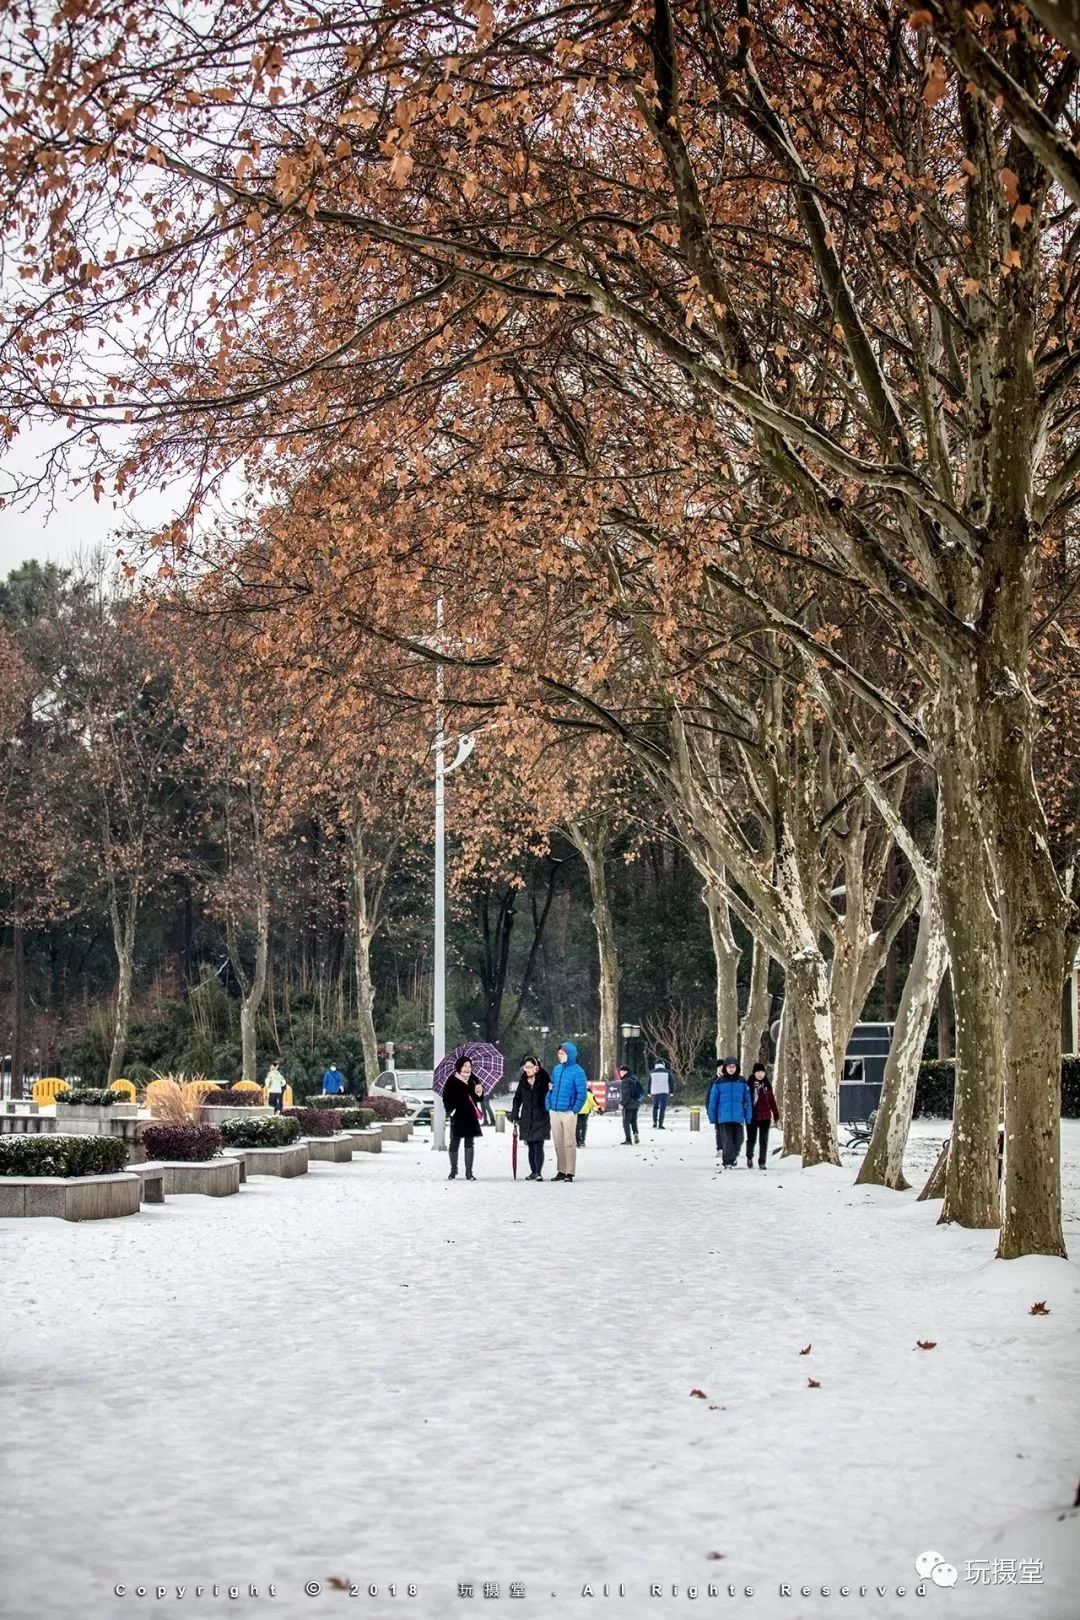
(530, 1114)
(462, 1095)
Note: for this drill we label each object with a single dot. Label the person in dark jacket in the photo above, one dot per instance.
(728, 1108)
(529, 1114)
(463, 1097)
(763, 1114)
(633, 1093)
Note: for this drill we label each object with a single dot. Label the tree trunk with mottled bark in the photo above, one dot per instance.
(756, 1016)
(726, 958)
(590, 840)
(883, 1165)
(365, 990)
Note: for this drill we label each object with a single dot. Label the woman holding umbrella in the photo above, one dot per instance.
(463, 1096)
(530, 1116)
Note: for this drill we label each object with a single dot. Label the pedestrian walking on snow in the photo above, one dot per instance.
(530, 1115)
(728, 1108)
(462, 1098)
(589, 1106)
(275, 1088)
(568, 1090)
(333, 1082)
(659, 1090)
(763, 1114)
(632, 1093)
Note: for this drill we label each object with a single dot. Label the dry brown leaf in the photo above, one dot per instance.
(814, 1383)
(699, 1394)
(807, 1350)
(926, 1344)
(1039, 1308)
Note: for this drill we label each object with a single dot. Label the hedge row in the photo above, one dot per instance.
(90, 1097)
(274, 1130)
(62, 1155)
(316, 1121)
(228, 1098)
(937, 1080)
(194, 1142)
(356, 1119)
(384, 1108)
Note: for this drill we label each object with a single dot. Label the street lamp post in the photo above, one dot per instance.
(465, 747)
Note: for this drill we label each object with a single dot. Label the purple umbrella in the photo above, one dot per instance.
(487, 1062)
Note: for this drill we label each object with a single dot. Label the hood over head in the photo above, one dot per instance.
(570, 1049)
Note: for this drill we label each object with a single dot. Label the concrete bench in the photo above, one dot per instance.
(396, 1130)
(213, 1178)
(70, 1198)
(152, 1181)
(366, 1141)
(271, 1161)
(329, 1149)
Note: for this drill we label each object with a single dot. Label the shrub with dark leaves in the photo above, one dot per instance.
(357, 1119)
(385, 1107)
(195, 1142)
(339, 1100)
(937, 1082)
(62, 1155)
(90, 1097)
(233, 1099)
(275, 1130)
(317, 1121)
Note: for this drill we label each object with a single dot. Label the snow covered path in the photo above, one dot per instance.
(373, 1375)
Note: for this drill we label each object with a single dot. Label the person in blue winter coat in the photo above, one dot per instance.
(728, 1108)
(565, 1098)
(333, 1082)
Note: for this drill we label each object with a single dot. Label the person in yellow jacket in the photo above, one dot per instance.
(589, 1106)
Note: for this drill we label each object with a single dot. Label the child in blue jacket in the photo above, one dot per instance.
(728, 1108)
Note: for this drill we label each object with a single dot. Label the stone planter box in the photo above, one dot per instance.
(214, 1116)
(369, 1141)
(329, 1149)
(70, 1198)
(396, 1130)
(30, 1125)
(214, 1178)
(15, 1105)
(151, 1182)
(92, 1112)
(272, 1161)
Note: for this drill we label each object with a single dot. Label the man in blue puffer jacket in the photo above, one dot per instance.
(564, 1099)
(728, 1108)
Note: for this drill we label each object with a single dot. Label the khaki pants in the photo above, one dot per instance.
(564, 1137)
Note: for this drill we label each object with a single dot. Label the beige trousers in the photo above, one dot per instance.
(564, 1137)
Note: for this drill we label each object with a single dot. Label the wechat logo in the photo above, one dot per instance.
(932, 1566)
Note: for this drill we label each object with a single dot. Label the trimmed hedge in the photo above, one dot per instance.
(62, 1155)
(937, 1081)
(340, 1100)
(384, 1108)
(316, 1121)
(357, 1119)
(194, 1142)
(274, 1131)
(90, 1097)
(232, 1099)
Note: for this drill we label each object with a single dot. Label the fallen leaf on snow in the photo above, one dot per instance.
(715, 1555)
(926, 1344)
(699, 1395)
(807, 1351)
(1076, 1503)
(1039, 1308)
(337, 1583)
(814, 1383)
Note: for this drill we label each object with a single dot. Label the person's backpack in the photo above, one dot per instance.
(637, 1090)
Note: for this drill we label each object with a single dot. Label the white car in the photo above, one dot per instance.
(413, 1087)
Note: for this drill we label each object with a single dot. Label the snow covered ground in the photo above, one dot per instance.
(370, 1376)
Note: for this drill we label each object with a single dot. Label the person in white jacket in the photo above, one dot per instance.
(275, 1088)
(659, 1091)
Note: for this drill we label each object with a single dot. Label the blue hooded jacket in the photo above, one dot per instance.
(333, 1081)
(728, 1102)
(568, 1085)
